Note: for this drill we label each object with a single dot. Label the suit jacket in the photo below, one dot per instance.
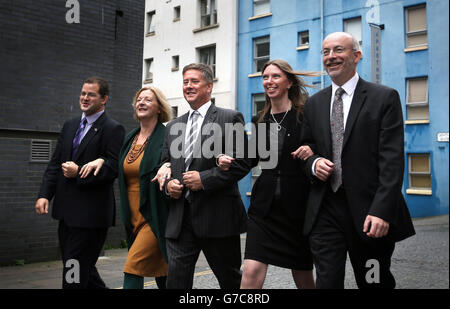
(294, 184)
(153, 205)
(217, 210)
(372, 156)
(89, 202)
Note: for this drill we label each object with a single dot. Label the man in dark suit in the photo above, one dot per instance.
(83, 194)
(206, 211)
(355, 203)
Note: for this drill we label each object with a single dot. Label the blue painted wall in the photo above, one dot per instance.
(292, 16)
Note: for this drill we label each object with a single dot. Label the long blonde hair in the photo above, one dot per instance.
(297, 93)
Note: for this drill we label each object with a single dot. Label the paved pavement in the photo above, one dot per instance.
(420, 262)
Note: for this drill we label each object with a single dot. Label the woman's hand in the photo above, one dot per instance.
(303, 152)
(224, 162)
(95, 166)
(164, 173)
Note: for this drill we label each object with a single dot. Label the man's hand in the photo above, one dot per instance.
(174, 188)
(303, 152)
(323, 169)
(164, 173)
(95, 166)
(378, 227)
(41, 206)
(70, 169)
(192, 180)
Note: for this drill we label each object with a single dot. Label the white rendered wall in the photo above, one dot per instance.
(177, 38)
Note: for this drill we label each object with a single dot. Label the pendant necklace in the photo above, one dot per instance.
(279, 123)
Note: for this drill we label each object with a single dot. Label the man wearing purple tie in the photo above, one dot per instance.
(83, 194)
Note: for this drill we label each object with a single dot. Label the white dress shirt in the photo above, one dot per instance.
(202, 110)
(90, 120)
(347, 98)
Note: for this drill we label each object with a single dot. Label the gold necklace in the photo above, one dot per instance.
(133, 154)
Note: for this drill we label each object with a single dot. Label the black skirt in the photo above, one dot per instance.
(277, 239)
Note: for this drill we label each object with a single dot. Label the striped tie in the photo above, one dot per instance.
(337, 138)
(189, 150)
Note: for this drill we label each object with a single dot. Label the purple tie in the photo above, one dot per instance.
(77, 138)
(337, 137)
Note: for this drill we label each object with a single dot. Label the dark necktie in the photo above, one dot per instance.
(77, 138)
(337, 138)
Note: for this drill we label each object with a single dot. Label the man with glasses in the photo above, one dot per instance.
(83, 194)
(355, 204)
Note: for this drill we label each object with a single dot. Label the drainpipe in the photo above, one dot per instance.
(321, 40)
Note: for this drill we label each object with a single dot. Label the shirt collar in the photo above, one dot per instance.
(92, 118)
(349, 86)
(202, 109)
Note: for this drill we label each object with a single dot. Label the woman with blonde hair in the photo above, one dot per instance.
(143, 207)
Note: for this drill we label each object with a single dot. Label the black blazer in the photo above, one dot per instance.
(216, 211)
(89, 202)
(372, 156)
(294, 183)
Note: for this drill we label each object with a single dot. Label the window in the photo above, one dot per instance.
(175, 63)
(208, 12)
(261, 48)
(151, 22)
(148, 75)
(175, 111)
(416, 27)
(417, 99)
(259, 101)
(176, 13)
(303, 39)
(419, 174)
(353, 26)
(261, 7)
(207, 55)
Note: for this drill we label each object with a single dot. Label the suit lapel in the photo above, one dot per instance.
(95, 128)
(325, 102)
(358, 101)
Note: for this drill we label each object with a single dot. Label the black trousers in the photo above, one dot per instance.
(80, 248)
(334, 235)
(223, 256)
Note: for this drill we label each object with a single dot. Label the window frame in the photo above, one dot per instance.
(148, 74)
(419, 190)
(416, 32)
(205, 48)
(212, 15)
(150, 18)
(256, 59)
(410, 104)
(261, 3)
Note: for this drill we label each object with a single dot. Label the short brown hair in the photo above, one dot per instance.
(204, 68)
(103, 87)
(164, 106)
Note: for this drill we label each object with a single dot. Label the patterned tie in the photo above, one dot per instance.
(189, 150)
(77, 138)
(337, 138)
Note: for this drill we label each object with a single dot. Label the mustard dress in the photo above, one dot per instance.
(144, 257)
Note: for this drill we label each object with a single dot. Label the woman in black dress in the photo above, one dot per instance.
(278, 200)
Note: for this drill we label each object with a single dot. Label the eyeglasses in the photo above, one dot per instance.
(336, 50)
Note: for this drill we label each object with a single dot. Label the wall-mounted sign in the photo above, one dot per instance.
(442, 137)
